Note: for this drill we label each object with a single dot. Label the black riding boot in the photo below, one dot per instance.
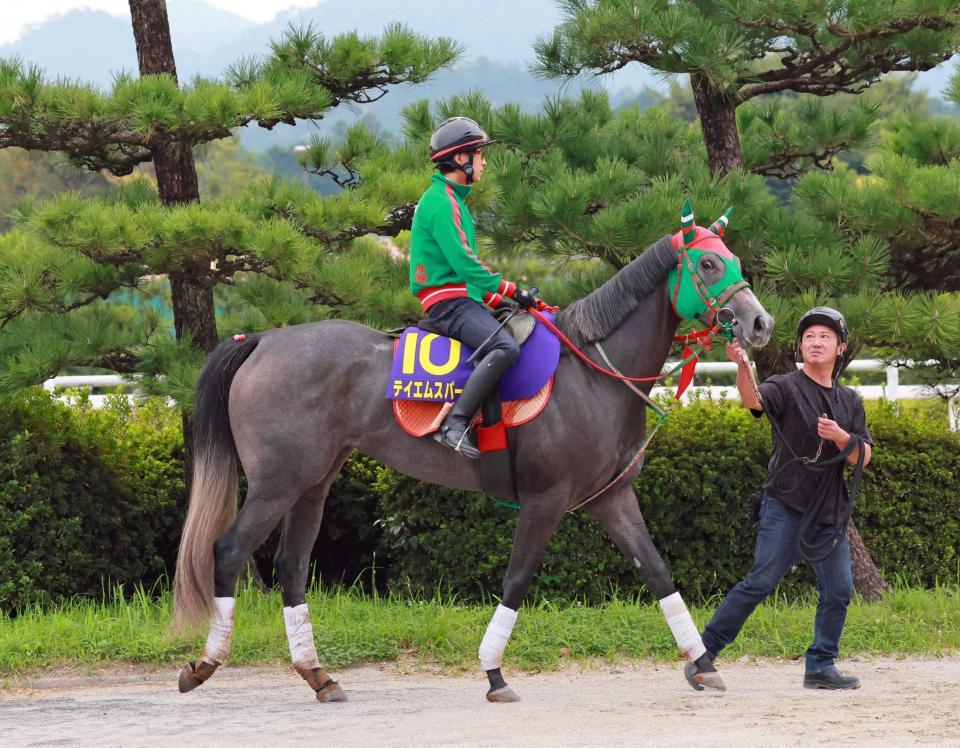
(454, 432)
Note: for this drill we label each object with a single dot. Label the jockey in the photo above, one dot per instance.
(449, 278)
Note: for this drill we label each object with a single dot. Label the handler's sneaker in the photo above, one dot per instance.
(830, 679)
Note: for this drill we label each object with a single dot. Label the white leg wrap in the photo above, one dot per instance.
(495, 640)
(682, 626)
(303, 651)
(217, 648)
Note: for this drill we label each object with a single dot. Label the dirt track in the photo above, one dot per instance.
(901, 702)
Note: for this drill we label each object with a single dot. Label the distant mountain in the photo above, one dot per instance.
(502, 30)
(88, 46)
(500, 82)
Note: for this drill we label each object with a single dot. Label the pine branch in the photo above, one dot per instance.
(327, 297)
(784, 165)
(376, 77)
(119, 360)
(94, 146)
(823, 72)
(399, 219)
(343, 182)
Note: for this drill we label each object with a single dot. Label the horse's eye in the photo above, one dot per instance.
(707, 265)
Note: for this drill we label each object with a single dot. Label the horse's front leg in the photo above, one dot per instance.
(538, 519)
(619, 512)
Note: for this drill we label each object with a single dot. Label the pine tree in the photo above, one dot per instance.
(736, 51)
(909, 201)
(77, 252)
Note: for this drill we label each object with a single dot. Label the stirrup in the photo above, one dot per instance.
(461, 446)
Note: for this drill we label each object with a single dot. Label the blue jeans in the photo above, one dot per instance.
(775, 554)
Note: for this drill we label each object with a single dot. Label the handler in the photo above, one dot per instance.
(448, 277)
(805, 503)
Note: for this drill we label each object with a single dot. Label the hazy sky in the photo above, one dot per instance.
(16, 15)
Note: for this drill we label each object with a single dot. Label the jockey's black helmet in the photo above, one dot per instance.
(823, 315)
(457, 135)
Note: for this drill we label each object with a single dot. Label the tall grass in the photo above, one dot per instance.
(351, 628)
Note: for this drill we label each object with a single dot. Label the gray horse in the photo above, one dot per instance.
(291, 404)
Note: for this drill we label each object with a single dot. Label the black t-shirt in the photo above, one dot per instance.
(795, 402)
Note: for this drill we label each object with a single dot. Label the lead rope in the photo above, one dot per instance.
(704, 338)
(662, 416)
(662, 413)
(812, 553)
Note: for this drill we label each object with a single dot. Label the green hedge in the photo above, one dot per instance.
(700, 470)
(88, 496)
(909, 508)
(692, 490)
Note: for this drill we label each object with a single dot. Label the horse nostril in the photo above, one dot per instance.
(758, 325)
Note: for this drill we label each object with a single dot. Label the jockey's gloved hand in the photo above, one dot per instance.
(524, 298)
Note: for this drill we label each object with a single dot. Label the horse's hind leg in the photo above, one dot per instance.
(620, 515)
(265, 504)
(292, 562)
(538, 519)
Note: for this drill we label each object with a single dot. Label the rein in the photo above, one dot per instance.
(702, 339)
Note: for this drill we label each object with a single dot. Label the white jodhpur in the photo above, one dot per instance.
(217, 648)
(303, 650)
(682, 625)
(496, 637)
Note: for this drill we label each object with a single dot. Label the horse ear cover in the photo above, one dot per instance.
(719, 226)
(688, 226)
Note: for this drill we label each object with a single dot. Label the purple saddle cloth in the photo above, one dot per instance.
(430, 367)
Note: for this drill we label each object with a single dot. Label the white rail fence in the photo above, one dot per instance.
(892, 390)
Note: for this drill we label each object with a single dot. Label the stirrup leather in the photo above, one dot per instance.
(463, 436)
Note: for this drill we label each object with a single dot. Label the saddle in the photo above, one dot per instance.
(429, 367)
(428, 374)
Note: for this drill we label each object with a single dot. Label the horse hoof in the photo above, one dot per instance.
(331, 693)
(699, 681)
(712, 680)
(194, 675)
(503, 695)
(326, 688)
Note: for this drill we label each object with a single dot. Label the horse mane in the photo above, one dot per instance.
(602, 311)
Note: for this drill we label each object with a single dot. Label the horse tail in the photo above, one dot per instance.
(213, 493)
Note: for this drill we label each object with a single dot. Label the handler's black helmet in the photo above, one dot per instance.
(457, 135)
(823, 315)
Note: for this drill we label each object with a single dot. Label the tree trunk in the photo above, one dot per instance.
(771, 360)
(193, 309)
(718, 119)
(866, 577)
